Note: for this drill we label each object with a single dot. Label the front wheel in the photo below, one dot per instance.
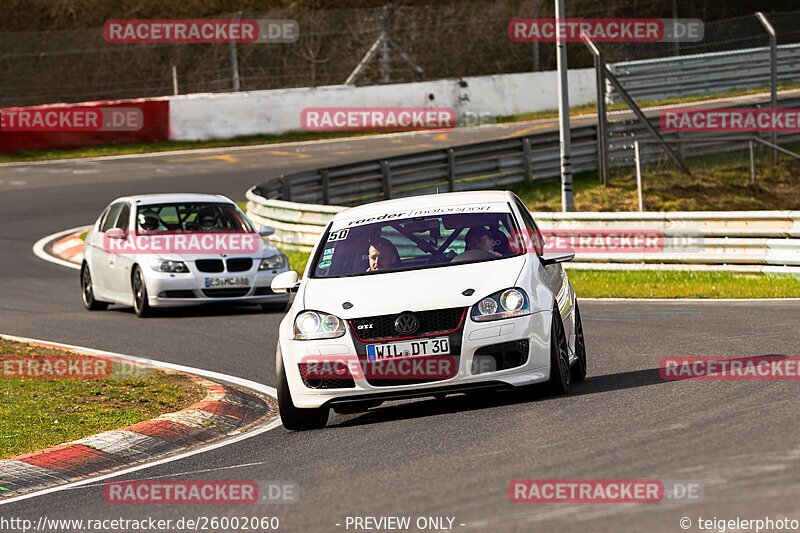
(87, 291)
(578, 372)
(141, 304)
(295, 418)
(559, 357)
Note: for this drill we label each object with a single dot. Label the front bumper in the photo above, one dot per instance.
(470, 373)
(166, 289)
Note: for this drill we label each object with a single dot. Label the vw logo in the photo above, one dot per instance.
(406, 324)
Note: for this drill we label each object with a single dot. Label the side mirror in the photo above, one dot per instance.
(266, 231)
(116, 233)
(285, 282)
(565, 253)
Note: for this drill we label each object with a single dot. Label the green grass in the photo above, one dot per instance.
(297, 260)
(680, 284)
(38, 413)
(718, 183)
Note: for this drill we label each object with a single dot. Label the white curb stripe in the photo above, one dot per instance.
(38, 248)
(245, 383)
(127, 444)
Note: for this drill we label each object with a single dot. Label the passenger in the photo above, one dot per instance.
(480, 238)
(382, 255)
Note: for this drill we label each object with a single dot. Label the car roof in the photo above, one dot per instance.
(449, 199)
(173, 198)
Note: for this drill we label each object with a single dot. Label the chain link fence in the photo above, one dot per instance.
(445, 40)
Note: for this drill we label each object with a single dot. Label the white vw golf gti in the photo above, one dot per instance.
(426, 296)
(171, 250)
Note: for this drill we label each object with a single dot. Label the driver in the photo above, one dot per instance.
(207, 217)
(148, 221)
(382, 255)
(480, 238)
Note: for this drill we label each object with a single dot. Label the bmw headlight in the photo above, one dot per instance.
(310, 325)
(507, 303)
(271, 263)
(166, 265)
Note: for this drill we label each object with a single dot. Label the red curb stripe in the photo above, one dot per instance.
(173, 432)
(72, 459)
(238, 412)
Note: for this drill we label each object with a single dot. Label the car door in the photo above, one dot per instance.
(96, 254)
(119, 264)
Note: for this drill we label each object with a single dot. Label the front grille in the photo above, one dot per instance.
(324, 377)
(435, 322)
(226, 293)
(239, 264)
(209, 265)
(500, 356)
(176, 294)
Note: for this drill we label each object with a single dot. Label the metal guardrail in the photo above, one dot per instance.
(482, 165)
(653, 79)
(756, 241)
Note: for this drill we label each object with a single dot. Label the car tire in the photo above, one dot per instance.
(141, 305)
(578, 372)
(295, 418)
(87, 291)
(559, 357)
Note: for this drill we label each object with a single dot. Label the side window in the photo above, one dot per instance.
(533, 236)
(122, 219)
(111, 217)
(103, 216)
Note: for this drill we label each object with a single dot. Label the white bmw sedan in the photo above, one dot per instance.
(426, 296)
(172, 250)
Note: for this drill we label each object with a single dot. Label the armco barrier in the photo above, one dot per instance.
(155, 128)
(755, 241)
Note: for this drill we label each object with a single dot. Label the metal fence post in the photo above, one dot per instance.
(451, 170)
(638, 174)
(326, 187)
(235, 58)
(564, 131)
(752, 164)
(174, 80)
(602, 124)
(773, 73)
(386, 178)
(527, 161)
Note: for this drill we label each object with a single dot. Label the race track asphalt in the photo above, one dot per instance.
(452, 458)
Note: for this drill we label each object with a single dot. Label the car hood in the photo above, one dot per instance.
(418, 290)
(265, 249)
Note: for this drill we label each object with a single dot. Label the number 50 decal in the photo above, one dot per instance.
(338, 235)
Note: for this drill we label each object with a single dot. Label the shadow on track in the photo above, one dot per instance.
(486, 400)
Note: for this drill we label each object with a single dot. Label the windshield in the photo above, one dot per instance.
(398, 243)
(191, 217)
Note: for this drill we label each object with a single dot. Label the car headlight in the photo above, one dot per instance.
(314, 325)
(166, 265)
(503, 304)
(270, 263)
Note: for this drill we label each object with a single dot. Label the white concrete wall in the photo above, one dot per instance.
(226, 115)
